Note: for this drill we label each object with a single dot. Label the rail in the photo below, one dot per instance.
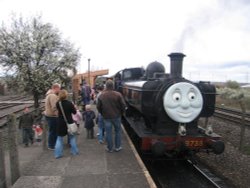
(17, 109)
(232, 115)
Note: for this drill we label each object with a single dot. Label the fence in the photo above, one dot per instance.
(12, 148)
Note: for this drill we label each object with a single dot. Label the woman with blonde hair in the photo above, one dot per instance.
(69, 109)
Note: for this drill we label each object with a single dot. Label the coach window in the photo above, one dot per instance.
(127, 74)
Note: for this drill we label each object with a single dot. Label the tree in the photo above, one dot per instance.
(232, 84)
(34, 53)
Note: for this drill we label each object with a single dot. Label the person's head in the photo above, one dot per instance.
(26, 110)
(109, 85)
(56, 88)
(99, 88)
(63, 94)
(88, 107)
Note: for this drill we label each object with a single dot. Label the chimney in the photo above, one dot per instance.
(176, 64)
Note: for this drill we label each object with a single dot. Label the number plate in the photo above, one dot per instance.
(194, 143)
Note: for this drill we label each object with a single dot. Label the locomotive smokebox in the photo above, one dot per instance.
(176, 64)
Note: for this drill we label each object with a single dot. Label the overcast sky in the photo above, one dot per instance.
(117, 34)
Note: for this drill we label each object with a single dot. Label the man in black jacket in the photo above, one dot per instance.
(111, 105)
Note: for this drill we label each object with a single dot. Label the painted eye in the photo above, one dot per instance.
(176, 96)
(191, 96)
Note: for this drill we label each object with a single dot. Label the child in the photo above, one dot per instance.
(26, 124)
(89, 116)
(77, 118)
(99, 119)
(38, 133)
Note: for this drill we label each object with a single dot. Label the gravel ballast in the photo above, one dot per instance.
(233, 164)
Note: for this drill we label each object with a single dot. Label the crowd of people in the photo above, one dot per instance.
(60, 111)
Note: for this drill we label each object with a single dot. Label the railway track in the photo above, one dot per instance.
(232, 115)
(180, 174)
(14, 104)
(209, 176)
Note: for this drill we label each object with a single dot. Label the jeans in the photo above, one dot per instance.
(59, 146)
(109, 123)
(27, 135)
(52, 123)
(90, 133)
(100, 128)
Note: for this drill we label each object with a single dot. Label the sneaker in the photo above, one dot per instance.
(118, 149)
(108, 150)
(51, 148)
(75, 153)
(101, 142)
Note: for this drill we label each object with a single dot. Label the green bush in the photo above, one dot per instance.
(231, 97)
(232, 84)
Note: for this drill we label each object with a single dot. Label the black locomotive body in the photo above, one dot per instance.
(164, 109)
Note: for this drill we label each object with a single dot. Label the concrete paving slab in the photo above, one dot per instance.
(86, 164)
(131, 180)
(46, 165)
(122, 162)
(38, 182)
(27, 154)
(86, 181)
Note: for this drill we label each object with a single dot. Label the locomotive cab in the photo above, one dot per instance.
(126, 75)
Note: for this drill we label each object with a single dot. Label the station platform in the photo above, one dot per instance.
(94, 167)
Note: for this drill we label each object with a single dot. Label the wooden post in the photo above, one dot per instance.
(243, 127)
(44, 135)
(14, 159)
(2, 163)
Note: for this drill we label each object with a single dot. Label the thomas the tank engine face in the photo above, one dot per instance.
(183, 102)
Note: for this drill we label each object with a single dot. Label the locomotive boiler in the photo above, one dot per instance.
(164, 109)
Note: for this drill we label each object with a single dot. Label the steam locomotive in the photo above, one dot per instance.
(164, 109)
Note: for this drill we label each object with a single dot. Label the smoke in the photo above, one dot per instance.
(208, 17)
(199, 21)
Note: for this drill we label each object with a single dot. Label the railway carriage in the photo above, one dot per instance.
(164, 109)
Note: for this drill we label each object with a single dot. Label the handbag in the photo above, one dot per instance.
(72, 127)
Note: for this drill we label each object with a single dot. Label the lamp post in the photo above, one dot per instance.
(89, 71)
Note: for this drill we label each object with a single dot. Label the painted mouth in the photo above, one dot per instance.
(185, 114)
